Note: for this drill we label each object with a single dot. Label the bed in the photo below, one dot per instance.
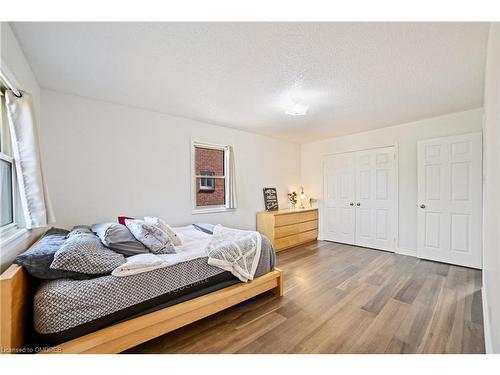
(110, 314)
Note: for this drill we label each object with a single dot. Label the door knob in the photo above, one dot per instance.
(358, 204)
(422, 205)
(351, 204)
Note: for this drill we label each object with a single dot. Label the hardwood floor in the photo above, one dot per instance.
(346, 299)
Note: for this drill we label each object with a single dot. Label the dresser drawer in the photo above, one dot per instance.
(285, 242)
(288, 219)
(294, 218)
(308, 216)
(295, 239)
(308, 225)
(308, 236)
(288, 230)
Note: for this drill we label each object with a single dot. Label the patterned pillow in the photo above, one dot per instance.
(84, 253)
(159, 223)
(150, 236)
(38, 258)
(80, 229)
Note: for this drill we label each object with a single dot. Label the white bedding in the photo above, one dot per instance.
(194, 245)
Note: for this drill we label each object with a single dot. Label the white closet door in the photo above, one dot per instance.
(338, 216)
(376, 198)
(450, 199)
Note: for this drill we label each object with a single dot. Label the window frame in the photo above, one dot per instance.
(10, 160)
(12, 230)
(194, 186)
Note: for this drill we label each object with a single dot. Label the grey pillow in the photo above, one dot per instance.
(84, 253)
(118, 238)
(38, 258)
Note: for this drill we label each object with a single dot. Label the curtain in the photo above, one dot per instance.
(231, 179)
(34, 197)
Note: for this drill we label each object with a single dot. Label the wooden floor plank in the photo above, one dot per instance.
(379, 334)
(346, 299)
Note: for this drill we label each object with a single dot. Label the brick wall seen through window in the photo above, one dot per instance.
(209, 191)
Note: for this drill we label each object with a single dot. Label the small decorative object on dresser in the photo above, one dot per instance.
(292, 199)
(288, 228)
(302, 197)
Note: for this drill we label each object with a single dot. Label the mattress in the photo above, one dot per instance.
(64, 309)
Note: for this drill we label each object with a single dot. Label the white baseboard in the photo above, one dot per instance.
(488, 344)
(398, 250)
(409, 252)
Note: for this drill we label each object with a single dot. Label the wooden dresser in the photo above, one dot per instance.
(288, 228)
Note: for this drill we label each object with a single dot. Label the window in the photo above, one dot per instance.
(207, 183)
(209, 192)
(7, 211)
(7, 175)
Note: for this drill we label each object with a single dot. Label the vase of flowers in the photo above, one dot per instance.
(292, 199)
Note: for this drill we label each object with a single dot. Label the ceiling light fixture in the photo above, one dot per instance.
(297, 109)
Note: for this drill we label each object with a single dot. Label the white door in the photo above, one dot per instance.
(450, 199)
(338, 216)
(376, 198)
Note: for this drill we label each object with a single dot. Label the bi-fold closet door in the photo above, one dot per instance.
(360, 198)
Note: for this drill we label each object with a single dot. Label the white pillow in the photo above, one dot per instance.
(151, 236)
(159, 223)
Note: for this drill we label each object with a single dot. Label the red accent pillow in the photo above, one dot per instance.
(121, 219)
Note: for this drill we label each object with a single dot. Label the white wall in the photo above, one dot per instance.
(103, 160)
(491, 243)
(405, 136)
(13, 57)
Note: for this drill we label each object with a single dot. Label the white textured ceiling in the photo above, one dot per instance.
(353, 76)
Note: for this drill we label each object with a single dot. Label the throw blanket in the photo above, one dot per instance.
(236, 251)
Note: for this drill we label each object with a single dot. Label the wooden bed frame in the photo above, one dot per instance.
(16, 305)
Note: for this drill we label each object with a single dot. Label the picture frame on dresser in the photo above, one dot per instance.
(270, 199)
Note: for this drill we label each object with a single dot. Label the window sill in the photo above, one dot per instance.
(211, 210)
(10, 236)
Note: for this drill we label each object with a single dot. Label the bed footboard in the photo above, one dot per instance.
(15, 302)
(127, 334)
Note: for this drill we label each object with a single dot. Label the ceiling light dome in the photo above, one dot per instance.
(298, 109)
